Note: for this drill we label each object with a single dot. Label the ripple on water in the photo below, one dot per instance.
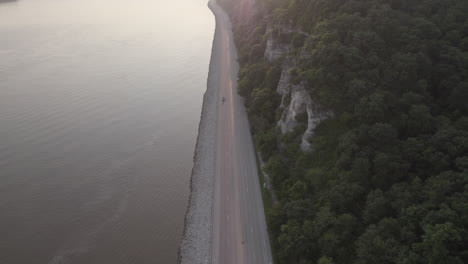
(99, 117)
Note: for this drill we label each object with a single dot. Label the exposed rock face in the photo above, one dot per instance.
(315, 115)
(284, 84)
(274, 49)
(300, 103)
(285, 79)
(300, 100)
(295, 98)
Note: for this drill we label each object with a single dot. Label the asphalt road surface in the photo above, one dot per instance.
(239, 226)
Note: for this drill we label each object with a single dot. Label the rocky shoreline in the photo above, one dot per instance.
(195, 246)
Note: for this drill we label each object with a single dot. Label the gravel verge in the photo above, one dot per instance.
(195, 246)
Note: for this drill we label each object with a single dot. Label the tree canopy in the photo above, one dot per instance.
(387, 180)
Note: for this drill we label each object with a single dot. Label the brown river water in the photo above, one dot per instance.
(100, 102)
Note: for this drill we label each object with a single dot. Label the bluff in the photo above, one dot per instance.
(359, 110)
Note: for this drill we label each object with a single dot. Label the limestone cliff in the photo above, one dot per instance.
(300, 102)
(274, 48)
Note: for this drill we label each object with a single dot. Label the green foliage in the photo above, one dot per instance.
(387, 180)
(298, 40)
(266, 143)
(325, 260)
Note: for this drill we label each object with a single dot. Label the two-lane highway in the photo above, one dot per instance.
(239, 227)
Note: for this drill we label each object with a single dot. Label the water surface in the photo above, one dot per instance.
(99, 110)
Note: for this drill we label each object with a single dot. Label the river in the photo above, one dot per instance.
(100, 103)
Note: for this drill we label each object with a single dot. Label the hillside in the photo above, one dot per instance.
(359, 109)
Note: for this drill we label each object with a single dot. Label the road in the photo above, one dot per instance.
(239, 227)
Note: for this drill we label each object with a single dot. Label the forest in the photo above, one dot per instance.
(386, 179)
